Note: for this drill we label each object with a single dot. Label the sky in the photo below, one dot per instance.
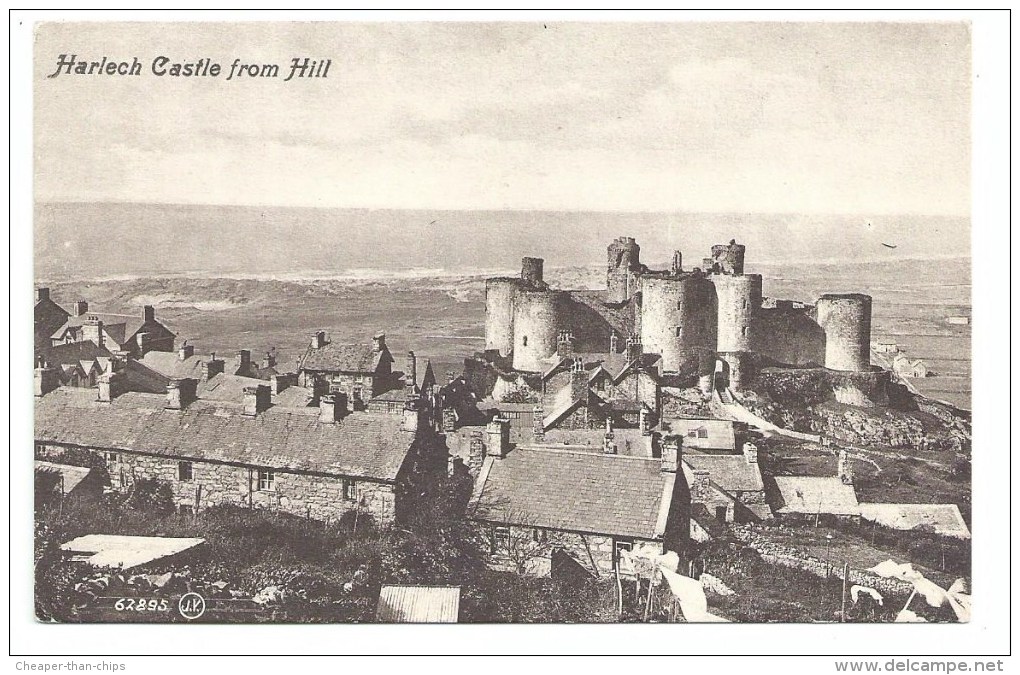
(804, 118)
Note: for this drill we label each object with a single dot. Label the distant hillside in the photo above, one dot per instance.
(102, 240)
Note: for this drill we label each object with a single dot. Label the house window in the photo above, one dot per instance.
(40, 447)
(110, 456)
(500, 539)
(720, 514)
(620, 545)
(183, 471)
(350, 490)
(539, 535)
(267, 480)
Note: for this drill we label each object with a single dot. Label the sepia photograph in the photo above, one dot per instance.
(540, 321)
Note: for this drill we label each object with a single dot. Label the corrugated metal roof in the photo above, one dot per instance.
(418, 604)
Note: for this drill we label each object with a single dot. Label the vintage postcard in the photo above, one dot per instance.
(502, 322)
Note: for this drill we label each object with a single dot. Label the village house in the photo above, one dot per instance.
(361, 371)
(49, 316)
(134, 335)
(568, 510)
(225, 440)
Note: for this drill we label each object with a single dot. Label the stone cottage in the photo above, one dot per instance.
(315, 461)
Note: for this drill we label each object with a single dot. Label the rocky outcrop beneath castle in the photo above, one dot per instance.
(856, 409)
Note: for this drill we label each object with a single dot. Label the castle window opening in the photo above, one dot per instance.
(525, 342)
(679, 331)
(184, 471)
(745, 331)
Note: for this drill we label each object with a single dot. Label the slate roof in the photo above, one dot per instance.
(364, 445)
(73, 352)
(333, 357)
(72, 475)
(720, 433)
(418, 604)
(730, 472)
(577, 491)
(816, 494)
(169, 364)
(120, 327)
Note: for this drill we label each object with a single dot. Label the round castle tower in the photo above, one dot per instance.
(499, 314)
(739, 299)
(678, 319)
(535, 329)
(622, 269)
(846, 319)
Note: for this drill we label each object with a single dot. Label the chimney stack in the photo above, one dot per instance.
(42, 294)
(411, 373)
(565, 344)
(185, 352)
(701, 490)
(318, 339)
(845, 467)
(497, 434)
(80, 308)
(148, 313)
(180, 391)
(412, 414)
(46, 379)
(608, 447)
(578, 380)
(751, 453)
(243, 362)
(379, 342)
(644, 421)
(109, 387)
(672, 453)
(332, 408)
(212, 367)
(268, 361)
(281, 381)
(634, 348)
(256, 399)
(538, 422)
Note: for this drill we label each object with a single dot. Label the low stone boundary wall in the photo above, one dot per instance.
(786, 556)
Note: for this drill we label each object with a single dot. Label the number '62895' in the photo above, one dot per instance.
(141, 605)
